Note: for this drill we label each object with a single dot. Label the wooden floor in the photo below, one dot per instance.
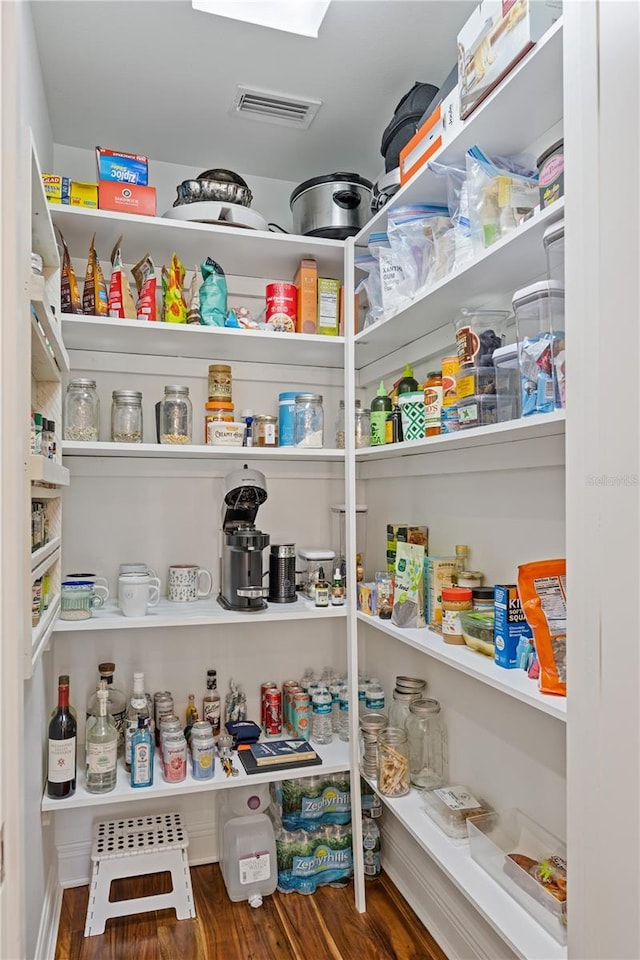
(286, 927)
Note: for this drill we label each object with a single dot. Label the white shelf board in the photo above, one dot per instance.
(43, 240)
(196, 451)
(511, 922)
(202, 343)
(43, 470)
(50, 327)
(43, 362)
(41, 634)
(44, 555)
(514, 260)
(513, 683)
(240, 252)
(526, 428)
(335, 759)
(196, 614)
(520, 110)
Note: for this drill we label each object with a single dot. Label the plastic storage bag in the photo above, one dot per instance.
(416, 234)
(503, 192)
(394, 286)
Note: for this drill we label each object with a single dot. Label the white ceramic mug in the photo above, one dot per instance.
(136, 593)
(184, 583)
(138, 569)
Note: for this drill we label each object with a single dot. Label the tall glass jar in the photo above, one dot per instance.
(393, 763)
(362, 427)
(399, 708)
(126, 416)
(309, 420)
(427, 745)
(81, 412)
(176, 415)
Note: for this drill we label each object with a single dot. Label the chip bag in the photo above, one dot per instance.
(121, 305)
(213, 294)
(175, 307)
(408, 595)
(144, 274)
(69, 296)
(193, 313)
(543, 594)
(95, 301)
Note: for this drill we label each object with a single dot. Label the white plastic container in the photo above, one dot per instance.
(539, 310)
(553, 240)
(507, 375)
(248, 857)
(247, 800)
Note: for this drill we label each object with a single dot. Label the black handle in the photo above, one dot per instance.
(347, 199)
(275, 228)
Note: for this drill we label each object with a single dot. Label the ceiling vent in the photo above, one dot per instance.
(273, 107)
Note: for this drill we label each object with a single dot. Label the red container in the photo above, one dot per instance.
(268, 685)
(273, 713)
(282, 307)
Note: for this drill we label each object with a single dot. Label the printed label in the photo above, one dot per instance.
(255, 867)
(141, 762)
(102, 757)
(324, 859)
(330, 801)
(451, 623)
(62, 760)
(457, 798)
(553, 601)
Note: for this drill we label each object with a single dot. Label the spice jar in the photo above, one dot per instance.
(433, 404)
(176, 415)
(470, 578)
(482, 599)
(454, 599)
(81, 413)
(309, 420)
(220, 383)
(126, 416)
(427, 745)
(214, 413)
(393, 763)
(264, 431)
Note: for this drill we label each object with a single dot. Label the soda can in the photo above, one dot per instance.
(268, 685)
(287, 707)
(301, 711)
(273, 713)
(287, 686)
(162, 706)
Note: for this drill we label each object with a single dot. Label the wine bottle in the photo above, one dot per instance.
(61, 768)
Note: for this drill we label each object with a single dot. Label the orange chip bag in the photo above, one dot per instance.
(543, 593)
(95, 301)
(175, 306)
(121, 305)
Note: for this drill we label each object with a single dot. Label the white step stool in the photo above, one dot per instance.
(131, 848)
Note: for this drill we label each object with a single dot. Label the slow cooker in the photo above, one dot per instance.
(335, 206)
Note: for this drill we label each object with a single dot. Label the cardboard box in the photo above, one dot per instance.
(73, 193)
(509, 626)
(404, 533)
(56, 189)
(131, 168)
(328, 307)
(124, 198)
(83, 195)
(442, 125)
(306, 280)
(495, 37)
(439, 573)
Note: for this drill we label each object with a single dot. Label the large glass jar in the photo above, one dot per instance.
(309, 420)
(362, 427)
(81, 411)
(427, 745)
(399, 709)
(176, 415)
(393, 763)
(126, 416)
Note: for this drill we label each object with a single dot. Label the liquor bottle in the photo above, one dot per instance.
(192, 710)
(337, 589)
(138, 707)
(142, 755)
(211, 703)
(102, 749)
(322, 590)
(61, 768)
(116, 703)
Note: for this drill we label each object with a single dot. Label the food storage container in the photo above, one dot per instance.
(220, 411)
(551, 174)
(521, 855)
(264, 431)
(478, 334)
(126, 416)
(451, 806)
(507, 381)
(553, 240)
(477, 631)
(427, 744)
(539, 310)
(393, 763)
(81, 412)
(472, 381)
(286, 418)
(309, 420)
(478, 411)
(222, 433)
(175, 415)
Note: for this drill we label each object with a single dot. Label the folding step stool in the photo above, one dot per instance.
(130, 848)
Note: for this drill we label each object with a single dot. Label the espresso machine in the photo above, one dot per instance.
(241, 574)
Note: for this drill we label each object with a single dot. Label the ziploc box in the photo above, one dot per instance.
(127, 198)
(122, 167)
(510, 625)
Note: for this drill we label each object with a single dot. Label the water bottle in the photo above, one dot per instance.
(321, 708)
(343, 727)
(374, 696)
(371, 848)
(335, 687)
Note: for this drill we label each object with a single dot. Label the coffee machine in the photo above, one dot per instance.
(241, 574)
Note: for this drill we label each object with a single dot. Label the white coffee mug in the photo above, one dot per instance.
(136, 593)
(139, 569)
(184, 583)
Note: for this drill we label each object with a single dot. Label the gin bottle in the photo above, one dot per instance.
(102, 749)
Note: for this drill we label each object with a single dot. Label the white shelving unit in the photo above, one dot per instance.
(44, 470)
(43, 556)
(194, 451)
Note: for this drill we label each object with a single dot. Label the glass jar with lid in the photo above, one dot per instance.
(81, 412)
(393, 763)
(264, 431)
(309, 420)
(126, 416)
(176, 415)
(427, 745)
(399, 709)
(362, 427)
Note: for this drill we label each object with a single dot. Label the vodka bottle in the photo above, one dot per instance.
(102, 749)
(138, 707)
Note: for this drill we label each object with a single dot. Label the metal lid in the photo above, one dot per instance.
(82, 383)
(283, 549)
(265, 418)
(219, 366)
(176, 388)
(424, 707)
(373, 722)
(308, 398)
(126, 395)
(410, 683)
(406, 695)
(353, 178)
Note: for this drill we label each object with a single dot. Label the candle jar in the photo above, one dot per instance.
(126, 416)
(176, 415)
(393, 763)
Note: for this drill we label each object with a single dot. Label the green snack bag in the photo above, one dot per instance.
(213, 294)
(408, 596)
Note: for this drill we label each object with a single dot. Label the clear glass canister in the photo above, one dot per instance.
(427, 745)
(309, 420)
(81, 411)
(176, 415)
(399, 709)
(126, 416)
(362, 427)
(264, 431)
(393, 763)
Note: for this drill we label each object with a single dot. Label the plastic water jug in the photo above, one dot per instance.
(247, 856)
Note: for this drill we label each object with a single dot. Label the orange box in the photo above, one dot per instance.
(306, 280)
(439, 127)
(127, 198)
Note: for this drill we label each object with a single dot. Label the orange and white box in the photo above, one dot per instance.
(127, 198)
(438, 130)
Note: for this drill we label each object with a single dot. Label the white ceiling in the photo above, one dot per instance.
(158, 78)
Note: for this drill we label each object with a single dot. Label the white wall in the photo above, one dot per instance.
(270, 197)
(31, 93)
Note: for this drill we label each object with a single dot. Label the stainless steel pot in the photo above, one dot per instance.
(336, 206)
(223, 186)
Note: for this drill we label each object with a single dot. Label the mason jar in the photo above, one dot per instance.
(399, 708)
(362, 427)
(309, 420)
(176, 415)
(81, 413)
(126, 416)
(393, 763)
(427, 745)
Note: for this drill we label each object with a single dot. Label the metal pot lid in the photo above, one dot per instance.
(223, 176)
(353, 178)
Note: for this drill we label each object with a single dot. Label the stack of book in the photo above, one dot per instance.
(277, 755)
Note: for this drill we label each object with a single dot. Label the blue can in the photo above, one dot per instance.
(286, 418)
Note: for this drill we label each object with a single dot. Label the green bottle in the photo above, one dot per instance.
(380, 410)
(408, 384)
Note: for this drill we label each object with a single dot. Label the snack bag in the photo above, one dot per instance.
(213, 294)
(95, 301)
(144, 274)
(408, 595)
(121, 305)
(69, 296)
(193, 313)
(543, 592)
(164, 280)
(175, 307)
